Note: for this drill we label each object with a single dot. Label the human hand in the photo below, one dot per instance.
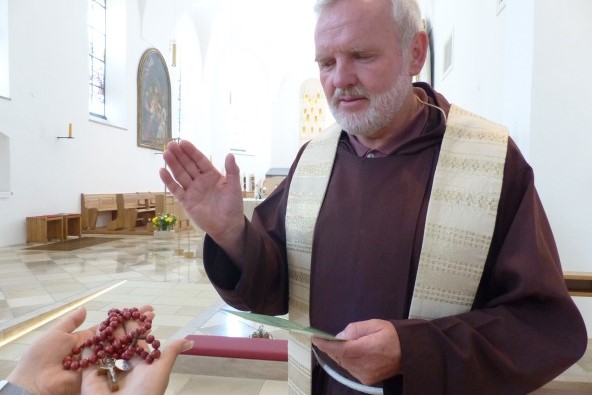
(371, 352)
(144, 377)
(212, 200)
(40, 370)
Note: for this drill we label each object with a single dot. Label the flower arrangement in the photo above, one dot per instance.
(164, 221)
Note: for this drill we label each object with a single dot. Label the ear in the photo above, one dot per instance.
(418, 49)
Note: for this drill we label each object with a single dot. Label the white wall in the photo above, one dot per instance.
(561, 140)
(48, 74)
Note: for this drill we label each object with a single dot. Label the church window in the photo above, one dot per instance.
(97, 36)
(4, 72)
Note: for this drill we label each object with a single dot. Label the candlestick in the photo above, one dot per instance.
(70, 130)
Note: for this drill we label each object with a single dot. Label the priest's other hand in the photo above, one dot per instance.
(371, 351)
(212, 200)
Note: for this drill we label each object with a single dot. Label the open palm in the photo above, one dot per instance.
(212, 200)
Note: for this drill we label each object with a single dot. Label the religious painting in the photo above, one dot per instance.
(154, 101)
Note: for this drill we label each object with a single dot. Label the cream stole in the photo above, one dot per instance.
(459, 226)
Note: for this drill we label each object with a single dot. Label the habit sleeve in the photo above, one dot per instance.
(262, 286)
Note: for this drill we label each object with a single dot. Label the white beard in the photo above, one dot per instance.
(382, 109)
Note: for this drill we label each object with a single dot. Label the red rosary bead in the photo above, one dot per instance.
(106, 344)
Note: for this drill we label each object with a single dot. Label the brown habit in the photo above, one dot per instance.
(523, 329)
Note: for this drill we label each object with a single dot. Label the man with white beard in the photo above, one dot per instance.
(411, 230)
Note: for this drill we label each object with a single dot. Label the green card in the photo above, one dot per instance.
(283, 323)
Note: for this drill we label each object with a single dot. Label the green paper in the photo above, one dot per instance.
(283, 323)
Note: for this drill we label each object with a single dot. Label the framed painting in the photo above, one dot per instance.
(154, 101)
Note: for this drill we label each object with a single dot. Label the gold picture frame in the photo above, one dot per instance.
(154, 101)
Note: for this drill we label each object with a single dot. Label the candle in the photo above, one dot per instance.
(70, 130)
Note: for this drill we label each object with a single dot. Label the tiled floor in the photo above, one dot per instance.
(31, 282)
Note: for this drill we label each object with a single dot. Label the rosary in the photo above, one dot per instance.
(110, 352)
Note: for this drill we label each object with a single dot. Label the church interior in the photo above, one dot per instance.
(81, 146)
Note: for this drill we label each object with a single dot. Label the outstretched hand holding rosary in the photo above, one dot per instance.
(114, 345)
(63, 361)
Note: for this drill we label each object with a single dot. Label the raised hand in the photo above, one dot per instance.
(371, 352)
(212, 200)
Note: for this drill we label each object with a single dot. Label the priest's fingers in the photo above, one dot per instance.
(180, 166)
(171, 184)
(196, 158)
(232, 171)
(185, 157)
(334, 349)
(356, 330)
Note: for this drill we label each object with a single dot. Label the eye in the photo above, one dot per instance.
(364, 56)
(325, 64)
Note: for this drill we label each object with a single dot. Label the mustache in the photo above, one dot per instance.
(353, 91)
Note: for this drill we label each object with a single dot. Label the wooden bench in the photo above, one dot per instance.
(169, 204)
(44, 228)
(133, 208)
(91, 205)
(578, 283)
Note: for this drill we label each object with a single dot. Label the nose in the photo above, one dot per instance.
(344, 75)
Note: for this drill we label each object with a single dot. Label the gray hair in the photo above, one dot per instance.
(406, 13)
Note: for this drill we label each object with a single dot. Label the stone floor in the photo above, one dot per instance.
(35, 281)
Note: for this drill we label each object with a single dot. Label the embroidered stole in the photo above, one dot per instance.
(459, 226)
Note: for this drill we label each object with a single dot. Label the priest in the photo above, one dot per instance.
(412, 230)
